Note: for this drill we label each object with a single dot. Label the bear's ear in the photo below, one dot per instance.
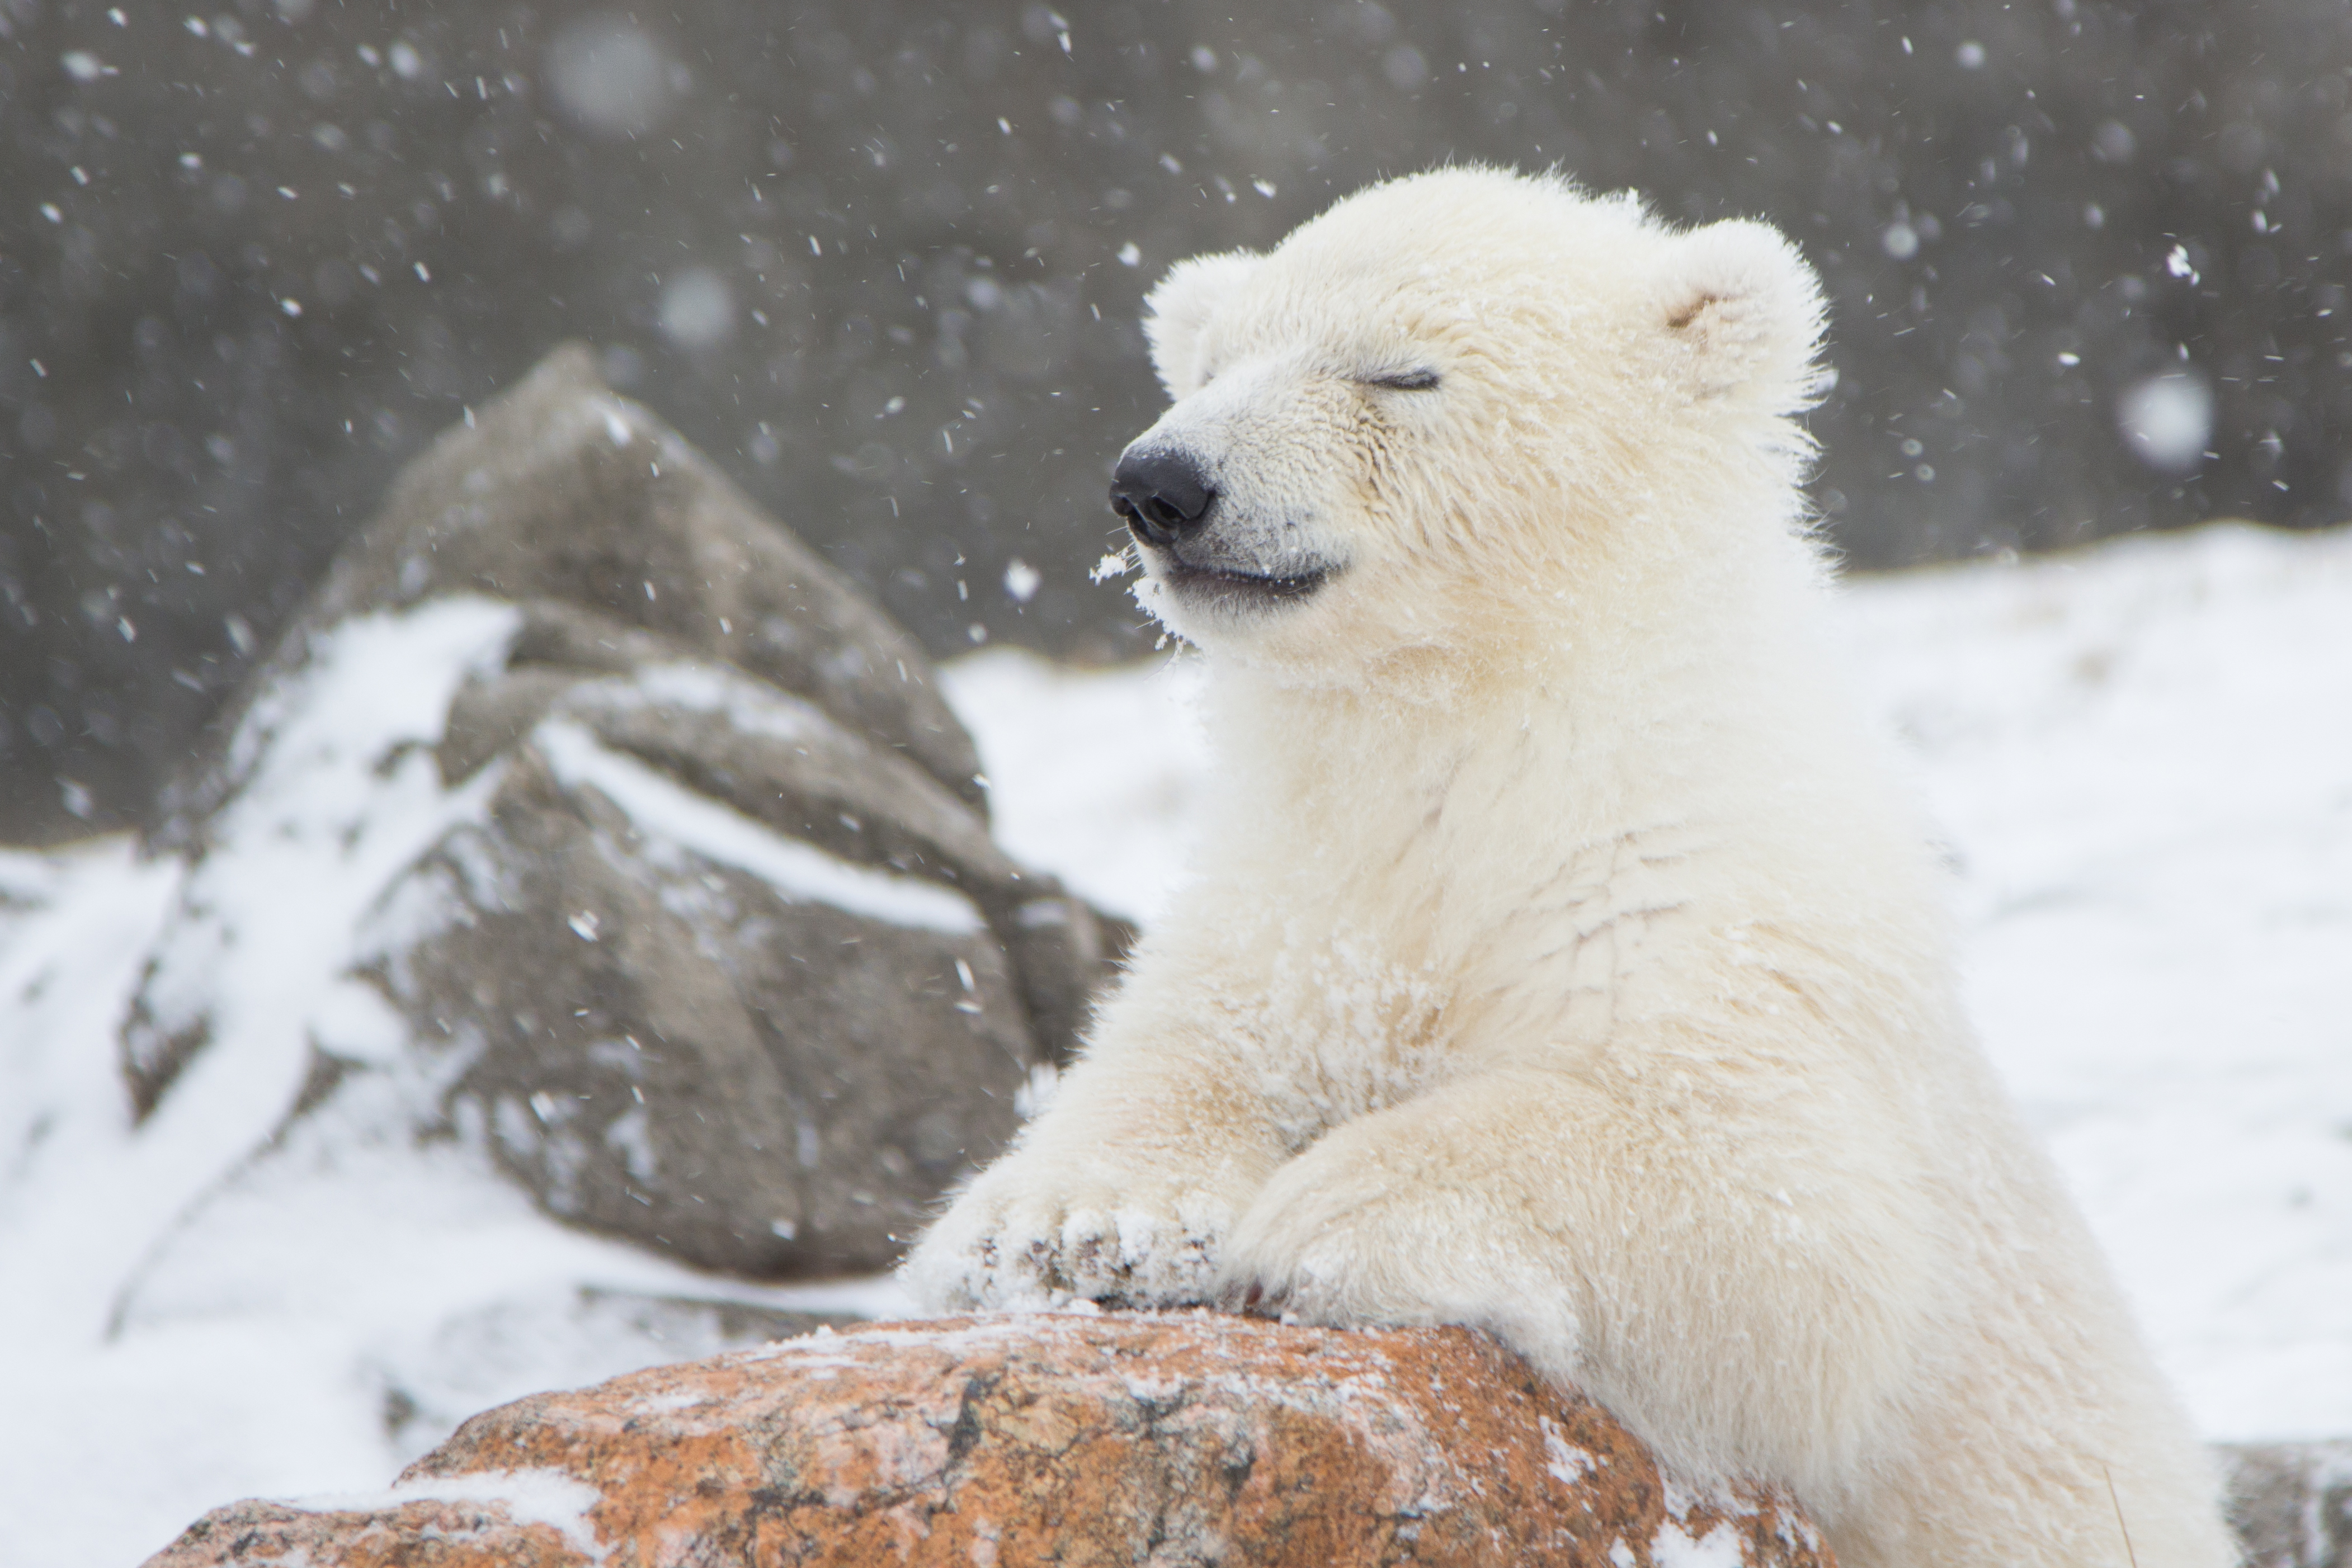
(1181, 308)
(1749, 308)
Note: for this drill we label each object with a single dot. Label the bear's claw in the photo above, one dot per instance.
(1008, 1242)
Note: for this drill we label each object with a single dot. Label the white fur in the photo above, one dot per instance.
(1561, 960)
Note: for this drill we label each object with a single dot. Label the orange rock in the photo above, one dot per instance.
(1012, 1441)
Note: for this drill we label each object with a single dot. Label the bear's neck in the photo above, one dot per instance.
(1693, 709)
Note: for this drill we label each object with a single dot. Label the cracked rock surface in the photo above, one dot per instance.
(1171, 1439)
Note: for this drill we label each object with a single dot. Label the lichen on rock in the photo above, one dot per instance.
(1172, 1439)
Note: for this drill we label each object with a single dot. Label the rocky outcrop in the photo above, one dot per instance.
(561, 492)
(588, 799)
(1187, 1438)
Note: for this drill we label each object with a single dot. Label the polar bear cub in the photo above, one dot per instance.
(1560, 960)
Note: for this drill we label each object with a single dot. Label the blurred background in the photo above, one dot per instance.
(883, 262)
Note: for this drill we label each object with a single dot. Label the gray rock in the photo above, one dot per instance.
(561, 491)
(662, 1047)
(727, 963)
(2291, 1503)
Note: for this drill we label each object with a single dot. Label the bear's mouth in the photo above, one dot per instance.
(1220, 585)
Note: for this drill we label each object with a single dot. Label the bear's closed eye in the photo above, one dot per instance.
(1403, 380)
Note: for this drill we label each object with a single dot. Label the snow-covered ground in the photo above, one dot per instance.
(2140, 756)
(2142, 759)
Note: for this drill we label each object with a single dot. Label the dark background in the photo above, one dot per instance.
(883, 262)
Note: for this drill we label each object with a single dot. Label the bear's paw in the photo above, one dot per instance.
(1334, 1240)
(1032, 1233)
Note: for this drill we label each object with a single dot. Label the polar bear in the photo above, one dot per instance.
(1560, 960)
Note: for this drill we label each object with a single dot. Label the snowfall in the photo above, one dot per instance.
(2138, 758)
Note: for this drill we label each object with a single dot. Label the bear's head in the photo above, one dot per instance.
(1453, 395)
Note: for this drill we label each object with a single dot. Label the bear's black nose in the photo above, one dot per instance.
(1162, 493)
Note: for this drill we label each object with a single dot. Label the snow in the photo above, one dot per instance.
(751, 706)
(1091, 775)
(529, 1496)
(1673, 1547)
(2168, 419)
(1566, 1463)
(319, 811)
(2138, 757)
(696, 310)
(609, 76)
(2142, 758)
(798, 871)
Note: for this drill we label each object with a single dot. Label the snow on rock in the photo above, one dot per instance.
(337, 795)
(798, 871)
(1675, 1547)
(632, 841)
(527, 1498)
(1020, 1441)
